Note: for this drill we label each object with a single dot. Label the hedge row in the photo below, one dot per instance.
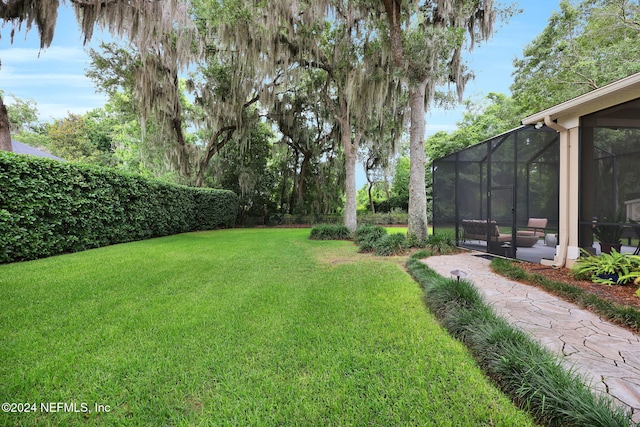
(392, 218)
(49, 207)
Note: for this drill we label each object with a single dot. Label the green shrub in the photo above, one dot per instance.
(367, 237)
(392, 218)
(391, 244)
(395, 217)
(609, 269)
(299, 219)
(441, 243)
(330, 232)
(369, 245)
(414, 242)
(365, 232)
(49, 207)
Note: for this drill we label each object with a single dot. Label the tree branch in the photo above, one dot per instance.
(214, 146)
(251, 101)
(88, 3)
(294, 49)
(393, 10)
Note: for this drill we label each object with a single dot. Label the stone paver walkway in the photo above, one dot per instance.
(603, 352)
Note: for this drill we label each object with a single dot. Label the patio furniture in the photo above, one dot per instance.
(535, 227)
(525, 240)
(476, 229)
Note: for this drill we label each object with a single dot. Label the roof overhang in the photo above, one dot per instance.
(568, 112)
(20, 148)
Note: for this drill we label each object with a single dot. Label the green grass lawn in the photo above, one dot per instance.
(234, 327)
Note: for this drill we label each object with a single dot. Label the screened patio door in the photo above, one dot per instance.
(501, 209)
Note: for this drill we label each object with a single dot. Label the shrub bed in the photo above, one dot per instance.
(367, 237)
(393, 218)
(49, 207)
(330, 232)
(441, 243)
(391, 244)
(530, 374)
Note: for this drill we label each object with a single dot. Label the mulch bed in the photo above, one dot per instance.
(620, 294)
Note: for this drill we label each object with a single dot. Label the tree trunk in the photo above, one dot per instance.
(294, 190)
(373, 208)
(283, 188)
(215, 144)
(393, 8)
(5, 130)
(417, 191)
(306, 157)
(350, 151)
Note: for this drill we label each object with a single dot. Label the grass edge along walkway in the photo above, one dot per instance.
(234, 327)
(530, 374)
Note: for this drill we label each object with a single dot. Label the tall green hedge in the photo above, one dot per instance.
(49, 207)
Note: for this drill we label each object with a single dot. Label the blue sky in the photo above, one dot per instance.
(55, 79)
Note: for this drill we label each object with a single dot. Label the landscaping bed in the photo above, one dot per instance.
(619, 294)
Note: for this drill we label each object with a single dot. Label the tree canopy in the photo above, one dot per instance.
(158, 27)
(585, 45)
(202, 74)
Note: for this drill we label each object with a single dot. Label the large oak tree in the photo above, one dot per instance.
(426, 40)
(336, 38)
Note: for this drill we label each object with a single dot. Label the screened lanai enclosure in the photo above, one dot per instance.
(610, 174)
(501, 196)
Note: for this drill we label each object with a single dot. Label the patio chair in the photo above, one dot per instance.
(535, 227)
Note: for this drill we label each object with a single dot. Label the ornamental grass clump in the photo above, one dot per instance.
(330, 232)
(391, 244)
(441, 243)
(367, 237)
(533, 376)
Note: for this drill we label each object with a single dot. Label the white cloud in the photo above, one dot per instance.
(19, 55)
(48, 111)
(55, 94)
(54, 78)
(51, 81)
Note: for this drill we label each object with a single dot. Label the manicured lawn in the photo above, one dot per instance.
(234, 327)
